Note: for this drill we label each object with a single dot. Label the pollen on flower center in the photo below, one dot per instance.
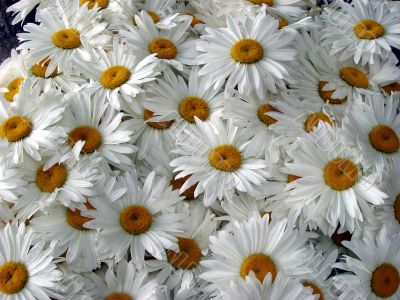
(91, 3)
(247, 51)
(260, 2)
(225, 158)
(267, 120)
(89, 134)
(385, 280)
(164, 48)
(40, 69)
(156, 125)
(313, 120)
(13, 277)
(178, 183)
(114, 77)
(340, 174)
(135, 219)
(51, 179)
(327, 95)
(15, 128)
(67, 38)
(384, 139)
(118, 296)
(354, 77)
(76, 220)
(315, 289)
(369, 29)
(260, 264)
(189, 254)
(191, 107)
(13, 88)
(397, 208)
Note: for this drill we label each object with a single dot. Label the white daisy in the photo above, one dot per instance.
(136, 220)
(257, 245)
(30, 125)
(334, 187)
(27, 270)
(280, 288)
(116, 75)
(171, 46)
(213, 153)
(361, 29)
(374, 126)
(253, 55)
(373, 270)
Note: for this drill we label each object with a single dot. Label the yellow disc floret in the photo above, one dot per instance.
(89, 135)
(340, 174)
(191, 107)
(136, 219)
(260, 264)
(75, 219)
(13, 88)
(369, 29)
(189, 254)
(156, 125)
(51, 179)
(114, 77)
(67, 38)
(327, 95)
(247, 51)
(13, 277)
(40, 69)
(267, 120)
(385, 281)
(384, 139)
(261, 2)
(91, 3)
(354, 77)
(225, 158)
(164, 48)
(15, 128)
(118, 296)
(315, 289)
(313, 120)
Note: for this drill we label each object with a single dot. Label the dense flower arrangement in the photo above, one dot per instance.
(201, 149)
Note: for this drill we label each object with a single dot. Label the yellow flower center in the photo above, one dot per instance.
(267, 120)
(326, 95)
(338, 238)
(40, 69)
(88, 134)
(313, 120)
(397, 208)
(340, 174)
(315, 289)
(156, 125)
(195, 20)
(155, 17)
(13, 277)
(354, 77)
(67, 38)
(283, 23)
(385, 280)
(114, 77)
(135, 219)
(392, 88)
(15, 128)
(191, 107)
(188, 257)
(164, 48)
(178, 183)
(13, 88)
(291, 178)
(76, 220)
(369, 30)
(384, 139)
(260, 2)
(260, 264)
(247, 51)
(100, 3)
(51, 179)
(225, 158)
(118, 296)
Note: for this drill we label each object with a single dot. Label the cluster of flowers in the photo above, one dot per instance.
(227, 149)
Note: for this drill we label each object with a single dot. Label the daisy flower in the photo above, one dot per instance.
(256, 245)
(213, 153)
(361, 29)
(254, 55)
(137, 221)
(63, 31)
(99, 129)
(334, 186)
(66, 227)
(116, 75)
(174, 99)
(30, 125)
(374, 126)
(182, 268)
(171, 46)
(124, 282)
(27, 270)
(374, 267)
(280, 288)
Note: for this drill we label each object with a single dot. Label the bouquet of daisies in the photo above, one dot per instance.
(201, 149)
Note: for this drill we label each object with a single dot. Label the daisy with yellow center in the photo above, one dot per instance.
(214, 149)
(129, 221)
(341, 191)
(259, 258)
(378, 272)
